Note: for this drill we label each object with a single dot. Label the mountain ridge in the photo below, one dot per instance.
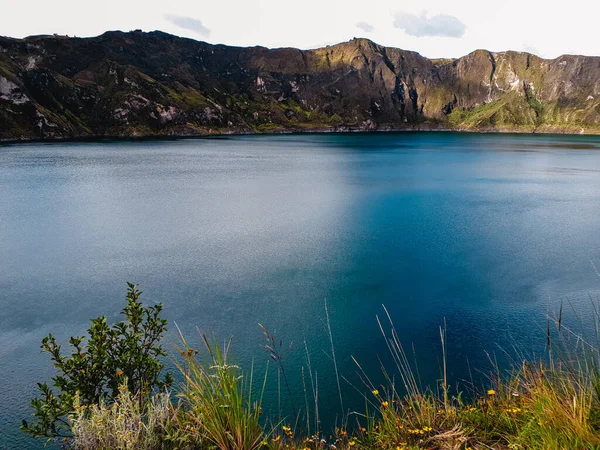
(137, 84)
(356, 38)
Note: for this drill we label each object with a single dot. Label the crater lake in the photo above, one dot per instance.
(486, 233)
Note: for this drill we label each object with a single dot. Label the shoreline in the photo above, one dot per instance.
(341, 130)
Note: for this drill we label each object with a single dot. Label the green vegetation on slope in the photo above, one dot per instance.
(155, 84)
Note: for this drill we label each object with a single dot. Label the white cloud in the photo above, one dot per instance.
(188, 23)
(442, 25)
(367, 27)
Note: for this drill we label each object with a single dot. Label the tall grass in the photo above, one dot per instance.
(219, 400)
(549, 403)
(553, 403)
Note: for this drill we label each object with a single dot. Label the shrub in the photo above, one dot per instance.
(124, 425)
(126, 353)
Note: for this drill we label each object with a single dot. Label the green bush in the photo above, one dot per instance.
(126, 352)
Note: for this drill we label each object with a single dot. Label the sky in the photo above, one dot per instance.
(434, 28)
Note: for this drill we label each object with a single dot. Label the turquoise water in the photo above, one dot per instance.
(487, 232)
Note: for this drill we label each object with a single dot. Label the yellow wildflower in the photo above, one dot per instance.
(385, 404)
(513, 410)
(375, 392)
(491, 392)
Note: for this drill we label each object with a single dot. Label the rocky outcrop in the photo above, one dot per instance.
(155, 84)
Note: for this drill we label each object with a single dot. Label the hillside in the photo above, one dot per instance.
(155, 84)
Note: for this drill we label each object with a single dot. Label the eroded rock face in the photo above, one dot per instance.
(132, 84)
(11, 92)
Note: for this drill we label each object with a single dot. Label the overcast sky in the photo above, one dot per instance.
(434, 28)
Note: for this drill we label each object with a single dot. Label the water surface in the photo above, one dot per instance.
(487, 232)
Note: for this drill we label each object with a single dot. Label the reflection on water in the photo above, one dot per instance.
(489, 232)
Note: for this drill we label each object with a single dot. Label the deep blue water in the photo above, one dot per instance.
(487, 232)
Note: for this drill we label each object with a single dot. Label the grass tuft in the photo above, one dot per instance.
(219, 400)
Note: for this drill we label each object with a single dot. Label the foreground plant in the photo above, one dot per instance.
(125, 425)
(104, 398)
(553, 404)
(127, 352)
(219, 400)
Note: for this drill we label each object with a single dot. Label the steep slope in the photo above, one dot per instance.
(144, 84)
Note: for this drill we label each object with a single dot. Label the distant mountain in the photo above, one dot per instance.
(155, 84)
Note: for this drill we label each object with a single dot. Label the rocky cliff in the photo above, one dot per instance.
(156, 84)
